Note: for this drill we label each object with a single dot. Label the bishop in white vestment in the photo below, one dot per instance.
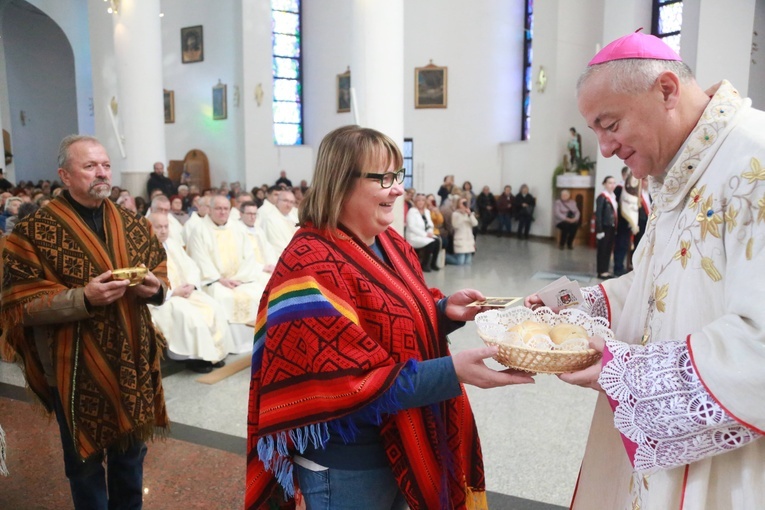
(680, 419)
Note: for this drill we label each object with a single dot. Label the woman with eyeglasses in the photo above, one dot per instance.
(354, 395)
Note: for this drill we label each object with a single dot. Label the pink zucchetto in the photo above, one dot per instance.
(635, 45)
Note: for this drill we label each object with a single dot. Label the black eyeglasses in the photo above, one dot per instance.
(388, 178)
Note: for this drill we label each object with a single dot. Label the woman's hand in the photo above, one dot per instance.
(471, 369)
(587, 378)
(456, 308)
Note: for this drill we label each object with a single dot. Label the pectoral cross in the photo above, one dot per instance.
(647, 327)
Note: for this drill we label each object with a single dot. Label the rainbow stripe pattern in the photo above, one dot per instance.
(297, 299)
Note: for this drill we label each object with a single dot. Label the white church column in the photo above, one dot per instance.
(377, 71)
(140, 108)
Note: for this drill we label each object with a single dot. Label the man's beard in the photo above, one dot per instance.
(97, 193)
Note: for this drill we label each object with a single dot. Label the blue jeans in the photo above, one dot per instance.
(459, 259)
(506, 223)
(89, 481)
(340, 489)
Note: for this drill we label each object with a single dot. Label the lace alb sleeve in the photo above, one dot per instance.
(663, 408)
(595, 299)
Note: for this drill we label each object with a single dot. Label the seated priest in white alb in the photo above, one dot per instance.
(203, 209)
(264, 252)
(280, 225)
(193, 323)
(161, 204)
(269, 205)
(230, 273)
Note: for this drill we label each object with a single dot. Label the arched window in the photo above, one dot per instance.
(667, 22)
(288, 77)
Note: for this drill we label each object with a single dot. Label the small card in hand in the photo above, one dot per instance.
(562, 293)
(496, 302)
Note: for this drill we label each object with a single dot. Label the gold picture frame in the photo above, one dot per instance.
(344, 92)
(220, 110)
(430, 86)
(192, 45)
(169, 99)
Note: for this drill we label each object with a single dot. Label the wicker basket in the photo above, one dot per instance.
(543, 357)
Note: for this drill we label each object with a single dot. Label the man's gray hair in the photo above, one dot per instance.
(63, 148)
(159, 199)
(635, 75)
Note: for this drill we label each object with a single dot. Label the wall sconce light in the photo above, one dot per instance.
(541, 79)
(114, 6)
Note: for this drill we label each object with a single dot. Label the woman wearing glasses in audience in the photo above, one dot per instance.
(354, 394)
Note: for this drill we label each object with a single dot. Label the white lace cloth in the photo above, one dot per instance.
(595, 299)
(663, 407)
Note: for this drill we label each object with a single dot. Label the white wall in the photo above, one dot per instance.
(757, 70)
(104, 82)
(222, 140)
(326, 53)
(41, 88)
(481, 44)
(716, 41)
(71, 16)
(5, 107)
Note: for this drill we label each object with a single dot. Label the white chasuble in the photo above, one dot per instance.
(190, 225)
(176, 230)
(698, 289)
(279, 230)
(195, 327)
(226, 252)
(264, 252)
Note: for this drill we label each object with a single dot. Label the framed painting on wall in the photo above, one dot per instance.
(192, 45)
(344, 92)
(169, 106)
(430, 86)
(219, 102)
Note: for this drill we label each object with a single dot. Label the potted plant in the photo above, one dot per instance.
(585, 165)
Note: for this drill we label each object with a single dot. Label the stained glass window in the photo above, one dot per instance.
(668, 21)
(527, 71)
(408, 154)
(288, 78)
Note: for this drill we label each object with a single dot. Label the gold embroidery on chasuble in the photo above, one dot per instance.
(229, 255)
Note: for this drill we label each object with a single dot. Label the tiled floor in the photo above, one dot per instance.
(532, 435)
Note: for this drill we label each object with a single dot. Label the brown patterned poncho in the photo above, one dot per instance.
(107, 366)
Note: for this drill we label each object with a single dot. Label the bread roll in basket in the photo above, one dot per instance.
(523, 346)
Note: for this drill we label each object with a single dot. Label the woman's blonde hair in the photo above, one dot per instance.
(344, 155)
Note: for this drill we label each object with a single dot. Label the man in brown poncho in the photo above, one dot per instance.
(88, 347)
